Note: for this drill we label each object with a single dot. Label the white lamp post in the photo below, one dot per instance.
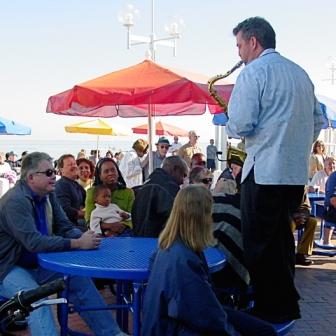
(331, 65)
(127, 18)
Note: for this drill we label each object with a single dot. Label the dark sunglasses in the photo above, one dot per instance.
(207, 180)
(48, 172)
(163, 146)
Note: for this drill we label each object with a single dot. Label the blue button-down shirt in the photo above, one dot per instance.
(274, 107)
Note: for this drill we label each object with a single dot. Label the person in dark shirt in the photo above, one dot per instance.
(70, 194)
(154, 200)
(32, 221)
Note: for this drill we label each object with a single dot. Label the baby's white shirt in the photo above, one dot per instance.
(105, 214)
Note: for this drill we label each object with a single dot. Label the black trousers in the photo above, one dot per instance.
(269, 246)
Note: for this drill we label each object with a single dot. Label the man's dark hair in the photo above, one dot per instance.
(259, 28)
(60, 161)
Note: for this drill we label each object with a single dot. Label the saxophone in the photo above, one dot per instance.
(222, 103)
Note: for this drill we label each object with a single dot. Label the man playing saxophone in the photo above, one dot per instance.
(274, 108)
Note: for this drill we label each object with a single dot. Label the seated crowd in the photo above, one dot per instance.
(179, 202)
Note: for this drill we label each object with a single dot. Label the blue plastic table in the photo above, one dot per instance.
(314, 197)
(317, 205)
(119, 258)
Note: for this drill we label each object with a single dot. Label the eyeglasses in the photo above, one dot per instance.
(164, 147)
(207, 180)
(48, 172)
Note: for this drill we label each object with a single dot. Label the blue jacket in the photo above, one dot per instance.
(18, 232)
(71, 196)
(179, 299)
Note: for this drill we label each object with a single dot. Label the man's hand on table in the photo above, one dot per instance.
(88, 241)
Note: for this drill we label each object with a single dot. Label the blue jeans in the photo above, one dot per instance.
(329, 225)
(82, 293)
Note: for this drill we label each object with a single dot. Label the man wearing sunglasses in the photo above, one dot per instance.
(32, 221)
(162, 147)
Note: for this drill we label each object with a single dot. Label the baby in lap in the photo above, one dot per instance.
(106, 219)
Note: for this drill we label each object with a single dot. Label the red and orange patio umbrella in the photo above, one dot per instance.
(143, 90)
(161, 128)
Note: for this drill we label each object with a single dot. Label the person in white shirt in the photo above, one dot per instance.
(320, 178)
(6, 172)
(106, 213)
(4, 166)
(175, 146)
(133, 163)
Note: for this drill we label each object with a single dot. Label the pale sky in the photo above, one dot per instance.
(48, 46)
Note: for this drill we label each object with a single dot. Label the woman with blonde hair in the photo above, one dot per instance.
(316, 160)
(190, 220)
(179, 299)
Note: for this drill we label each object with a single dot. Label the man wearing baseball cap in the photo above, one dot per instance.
(162, 147)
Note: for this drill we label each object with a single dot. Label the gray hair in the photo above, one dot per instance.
(31, 162)
(195, 174)
(172, 162)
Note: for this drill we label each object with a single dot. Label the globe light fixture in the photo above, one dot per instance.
(128, 17)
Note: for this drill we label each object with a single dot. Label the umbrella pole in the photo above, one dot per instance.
(150, 133)
(97, 148)
(224, 146)
(217, 136)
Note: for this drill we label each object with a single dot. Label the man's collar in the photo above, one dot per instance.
(35, 196)
(68, 178)
(268, 51)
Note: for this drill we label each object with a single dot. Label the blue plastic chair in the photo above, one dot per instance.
(2, 299)
(284, 328)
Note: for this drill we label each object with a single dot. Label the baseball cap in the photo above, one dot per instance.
(163, 140)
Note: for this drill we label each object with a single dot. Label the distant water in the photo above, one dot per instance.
(55, 148)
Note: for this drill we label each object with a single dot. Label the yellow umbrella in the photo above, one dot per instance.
(96, 126)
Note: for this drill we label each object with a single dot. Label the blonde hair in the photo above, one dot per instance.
(190, 219)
